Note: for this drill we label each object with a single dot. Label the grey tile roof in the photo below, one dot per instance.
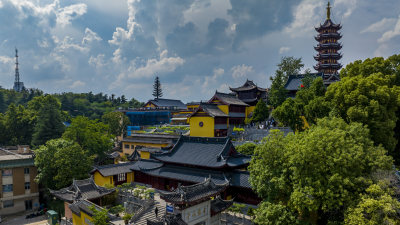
(113, 169)
(84, 205)
(218, 205)
(203, 152)
(229, 99)
(248, 85)
(162, 102)
(294, 81)
(210, 109)
(236, 178)
(81, 189)
(191, 194)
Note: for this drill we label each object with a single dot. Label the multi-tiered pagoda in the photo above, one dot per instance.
(328, 49)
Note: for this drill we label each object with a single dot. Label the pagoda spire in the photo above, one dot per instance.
(328, 11)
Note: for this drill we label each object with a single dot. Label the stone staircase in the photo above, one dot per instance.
(149, 213)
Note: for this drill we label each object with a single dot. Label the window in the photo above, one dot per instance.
(27, 185)
(28, 204)
(127, 146)
(8, 188)
(132, 146)
(5, 173)
(121, 177)
(26, 170)
(8, 204)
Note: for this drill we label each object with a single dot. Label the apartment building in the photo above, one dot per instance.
(18, 190)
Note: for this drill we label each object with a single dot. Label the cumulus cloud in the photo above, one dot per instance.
(241, 71)
(388, 35)
(77, 84)
(284, 49)
(68, 13)
(380, 26)
(90, 37)
(210, 81)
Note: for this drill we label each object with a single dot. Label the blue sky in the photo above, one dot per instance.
(194, 46)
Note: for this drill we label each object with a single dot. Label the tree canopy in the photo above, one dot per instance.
(93, 136)
(287, 66)
(157, 91)
(261, 112)
(317, 173)
(60, 161)
(116, 121)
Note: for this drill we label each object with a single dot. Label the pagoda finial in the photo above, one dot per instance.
(328, 11)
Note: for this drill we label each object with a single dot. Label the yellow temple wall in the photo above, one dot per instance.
(224, 108)
(100, 180)
(144, 155)
(130, 177)
(149, 105)
(249, 110)
(130, 150)
(207, 130)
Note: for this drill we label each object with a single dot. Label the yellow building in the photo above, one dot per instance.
(130, 143)
(81, 212)
(208, 121)
(113, 174)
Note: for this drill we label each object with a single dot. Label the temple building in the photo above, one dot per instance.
(198, 203)
(328, 49)
(76, 199)
(250, 93)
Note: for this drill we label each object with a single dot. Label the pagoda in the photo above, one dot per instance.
(328, 49)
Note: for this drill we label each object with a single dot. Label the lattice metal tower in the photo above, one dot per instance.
(18, 85)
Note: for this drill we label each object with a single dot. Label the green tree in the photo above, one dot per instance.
(274, 214)
(157, 91)
(100, 217)
(261, 112)
(91, 135)
(320, 172)
(370, 100)
(287, 66)
(49, 123)
(309, 102)
(246, 148)
(116, 121)
(376, 207)
(18, 123)
(60, 161)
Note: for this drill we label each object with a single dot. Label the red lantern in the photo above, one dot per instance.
(302, 85)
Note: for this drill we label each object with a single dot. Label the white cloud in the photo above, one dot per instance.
(210, 81)
(68, 13)
(306, 15)
(153, 66)
(388, 35)
(284, 49)
(348, 5)
(380, 26)
(90, 36)
(240, 71)
(6, 59)
(77, 84)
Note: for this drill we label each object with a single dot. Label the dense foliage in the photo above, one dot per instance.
(287, 66)
(261, 112)
(246, 148)
(317, 173)
(309, 102)
(60, 161)
(93, 136)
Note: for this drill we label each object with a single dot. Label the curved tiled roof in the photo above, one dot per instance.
(81, 189)
(191, 194)
(113, 169)
(163, 102)
(248, 85)
(204, 152)
(229, 99)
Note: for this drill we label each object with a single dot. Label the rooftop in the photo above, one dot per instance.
(228, 99)
(204, 152)
(185, 195)
(80, 190)
(294, 81)
(11, 159)
(248, 85)
(113, 169)
(210, 109)
(162, 102)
